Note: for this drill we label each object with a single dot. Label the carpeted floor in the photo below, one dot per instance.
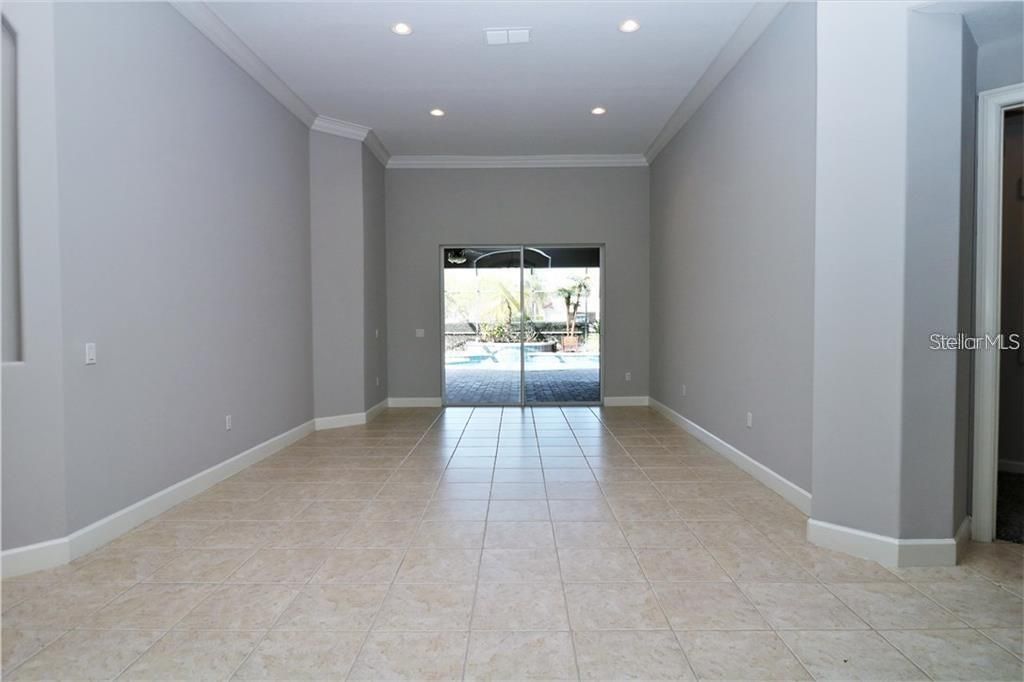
(1010, 507)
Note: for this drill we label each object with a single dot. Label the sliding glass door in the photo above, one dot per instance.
(522, 324)
(483, 325)
(562, 330)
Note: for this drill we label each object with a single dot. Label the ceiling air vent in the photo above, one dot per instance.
(507, 36)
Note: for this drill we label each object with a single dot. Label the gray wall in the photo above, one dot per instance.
(375, 303)
(336, 196)
(940, 70)
(860, 219)
(349, 299)
(965, 304)
(428, 208)
(1000, 62)
(11, 284)
(732, 235)
(184, 197)
(34, 500)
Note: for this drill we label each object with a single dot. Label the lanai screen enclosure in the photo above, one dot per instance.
(522, 325)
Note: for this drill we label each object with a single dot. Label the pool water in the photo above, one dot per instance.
(508, 358)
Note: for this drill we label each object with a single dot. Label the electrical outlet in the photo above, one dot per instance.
(420, 333)
(750, 420)
(227, 423)
(629, 376)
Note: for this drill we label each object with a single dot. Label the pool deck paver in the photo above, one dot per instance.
(474, 386)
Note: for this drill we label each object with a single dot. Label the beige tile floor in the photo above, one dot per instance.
(504, 544)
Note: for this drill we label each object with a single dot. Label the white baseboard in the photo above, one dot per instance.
(962, 537)
(1011, 466)
(889, 551)
(414, 402)
(52, 553)
(372, 413)
(339, 420)
(794, 494)
(36, 557)
(355, 419)
(626, 401)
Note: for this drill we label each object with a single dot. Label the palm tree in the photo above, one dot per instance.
(499, 301)
(571, 296)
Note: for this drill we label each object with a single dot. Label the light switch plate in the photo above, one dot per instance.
(420, 333)
(90, 353)
(496, 36)
(517, 36)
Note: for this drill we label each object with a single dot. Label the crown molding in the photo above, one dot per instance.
(535, 161)
(220, 34)
(210, 25)
(377, 148)
(335, 126)
(353, 131)
(759, 18)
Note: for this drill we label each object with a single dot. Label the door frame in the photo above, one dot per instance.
(522, 359)
(992, 104)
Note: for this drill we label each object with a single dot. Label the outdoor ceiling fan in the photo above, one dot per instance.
(455, 256)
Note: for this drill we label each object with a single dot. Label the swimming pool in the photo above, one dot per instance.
(507, 357)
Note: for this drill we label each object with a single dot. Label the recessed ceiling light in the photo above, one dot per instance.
(437, 112)
(401, 29)
(629, 26)
(598, 111)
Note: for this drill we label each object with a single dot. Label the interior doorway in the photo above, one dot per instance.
(997, 509)
(1010, 488)
(522, 324)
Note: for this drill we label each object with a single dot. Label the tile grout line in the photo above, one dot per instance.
(558, 558)
(483, 541)
(739, 589)
(1001, 646)
(185, 615)
(224, 582)
(313, 574)
(636, 558)
(180, 551)
(815, 580)
(916, 589)
(79, 628)
(783, 545)
(277, 618)
(731, 581)
(405, 552)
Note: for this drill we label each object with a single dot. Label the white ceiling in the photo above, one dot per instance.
(342, 59)
(990, 22)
